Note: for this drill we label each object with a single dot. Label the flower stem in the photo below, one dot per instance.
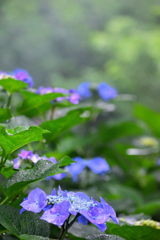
(68, 225)
(9, 101)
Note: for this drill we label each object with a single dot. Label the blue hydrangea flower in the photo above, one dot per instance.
(23, 75)
(25, 154)
(97, 216)
(109, 210)
(84, 91)
(76, 168)
(106, 92)
(36, 201)
(17, 162)
(158, 162)
(58, 214)
(58, 207)
(98, 165)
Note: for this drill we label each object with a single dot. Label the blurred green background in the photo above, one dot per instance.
(63, 43)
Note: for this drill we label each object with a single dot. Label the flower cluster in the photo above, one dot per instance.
(29, 155)
(18, 74)
(59, 207)
(97, 165)
(105, 91)
(73, 97)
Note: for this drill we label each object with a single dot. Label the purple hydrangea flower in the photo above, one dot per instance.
(74, 97)
(17, 162)
(109, 210)
(97, 216)
(23, 75)
(98, 165)
(25, 154)
(83, 90)
(58, 214)
(36, 201)
(58, 207)
(106, 92)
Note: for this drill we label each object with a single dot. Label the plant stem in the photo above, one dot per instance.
(9, 101)
(4, 200)
(52, 112)
(68, 225)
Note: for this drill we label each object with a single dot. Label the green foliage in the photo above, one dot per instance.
(35, 104)
(26, 223)
(62, 124)
(134, 232)
(5, 114)
(11, 140)
(41, 170)
(32, 237)
(150, 117)
(12, 85)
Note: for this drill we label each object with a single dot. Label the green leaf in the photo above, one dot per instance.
(150, 117)
(66, 161)
(62, 124)
(104, 237)
(32, 237)
(12, 85)
(34, 104)
(20, 137)
(111, 132)
(26, 223)
(41, 170)
(149, 208)
(5, 114)
(134, 232)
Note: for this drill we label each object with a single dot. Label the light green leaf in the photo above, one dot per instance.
(12, 85)
(18, 137)
(5, 114)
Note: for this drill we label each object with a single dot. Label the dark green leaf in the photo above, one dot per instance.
(20, 137)
(32, 237)
(41, 170)
(12, 85)
(112, 132)
(5, 114)
(150, 117)
(34, 104)
(103, 237)
(134, 232)
(149, 208)
(25, 223)
(62, 124)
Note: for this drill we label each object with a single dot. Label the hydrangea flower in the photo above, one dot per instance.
(29, 155)
(74, 97)
(84, 91)
(106, 92)
(76, 168)
(23, 75)
(97, 165)
(58, 208)
(35, 202)
(19, 74)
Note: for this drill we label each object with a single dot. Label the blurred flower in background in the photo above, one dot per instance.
(106, 92)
